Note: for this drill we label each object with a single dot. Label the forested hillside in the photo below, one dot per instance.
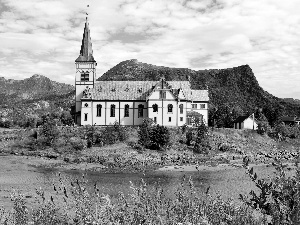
(233, 90)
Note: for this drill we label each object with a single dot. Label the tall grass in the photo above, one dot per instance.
(75, 203)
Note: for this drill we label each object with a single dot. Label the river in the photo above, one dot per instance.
(17, 175)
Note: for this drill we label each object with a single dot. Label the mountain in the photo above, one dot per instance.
(33, 97)
(234, 87)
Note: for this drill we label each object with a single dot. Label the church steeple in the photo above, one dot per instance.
(86, 51)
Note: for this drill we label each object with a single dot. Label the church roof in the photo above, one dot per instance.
(140, 90)
(86, 51)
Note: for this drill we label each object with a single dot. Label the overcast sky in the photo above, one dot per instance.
(44, 37)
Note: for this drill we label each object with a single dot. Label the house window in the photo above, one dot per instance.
(126, 111)
(202, 106)
(194, 106)
(162, 94)
(140, 110)
(170, 108)
(85, 116)
(181, 108)
(84, 77)
(155, 107)
(112, 110)
(99, 107)
(155, 120)
(169, 119)
(181, 119)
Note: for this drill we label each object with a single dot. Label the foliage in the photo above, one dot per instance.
(75, 203)
(279, 199)
(159, 137)
(144, 133)
(153, 136)
(202, 142)
(49, 130)
(263, 127)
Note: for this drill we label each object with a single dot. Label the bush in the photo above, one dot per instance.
(144, 133)
(153, 136)
(202, 142)
(279, 199)
(263, 128)
(77, 143)
(159, 137)
(50, 131)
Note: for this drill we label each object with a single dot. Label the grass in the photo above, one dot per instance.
(75, 203)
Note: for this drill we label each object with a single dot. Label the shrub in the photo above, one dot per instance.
(77, 143)
(263, 128)
(159, 137)
(144, 133)
(50, 131)
(279, 199)
(189, 137)
(202, 142)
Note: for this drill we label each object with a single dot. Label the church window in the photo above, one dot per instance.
(170, 119)
(126, 111)
(85, 116)
(99, 107)
(181, 108)
(162, 94)
(181, 118)
(86, 105)
(194, 106)
(170, 108)
(112, 111)
(202, 106)
(155, 107)
(155, 120)
(140, 110)
(84, 77)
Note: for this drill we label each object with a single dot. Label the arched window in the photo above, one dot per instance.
(99, 107)
(140, 110)
(170, 108)
(112, 110)
(181, 108)
(155, 107)
(126, 111)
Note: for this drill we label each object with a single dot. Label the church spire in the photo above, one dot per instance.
(86, 51)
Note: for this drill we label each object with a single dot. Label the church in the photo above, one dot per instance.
(101, 103)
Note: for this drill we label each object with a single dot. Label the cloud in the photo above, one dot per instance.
(44, 36)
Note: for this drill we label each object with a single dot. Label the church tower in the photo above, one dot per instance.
(85, 70)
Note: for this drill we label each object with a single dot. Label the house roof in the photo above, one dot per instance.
(289, 118)
(86, 51)
(140, 90)
(241, 119)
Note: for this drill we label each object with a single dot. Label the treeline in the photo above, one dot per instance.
(32, 120)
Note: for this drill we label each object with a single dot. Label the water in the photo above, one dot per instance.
(16, 174)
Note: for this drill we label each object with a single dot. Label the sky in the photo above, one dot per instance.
(44, 37)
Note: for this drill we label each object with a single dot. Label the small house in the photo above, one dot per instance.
(246, 122)
(290, 120)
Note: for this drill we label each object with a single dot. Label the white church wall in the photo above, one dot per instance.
(110, 120)
(126, 120)
(182, 116)
(86, 113)
(139, 120)
(169, 118)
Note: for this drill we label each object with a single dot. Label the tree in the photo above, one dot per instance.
(202, 142)
(49, 130)
(66, 118)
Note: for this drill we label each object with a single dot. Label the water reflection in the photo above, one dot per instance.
(16, 174)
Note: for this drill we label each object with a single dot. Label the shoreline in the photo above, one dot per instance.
(59, 164)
